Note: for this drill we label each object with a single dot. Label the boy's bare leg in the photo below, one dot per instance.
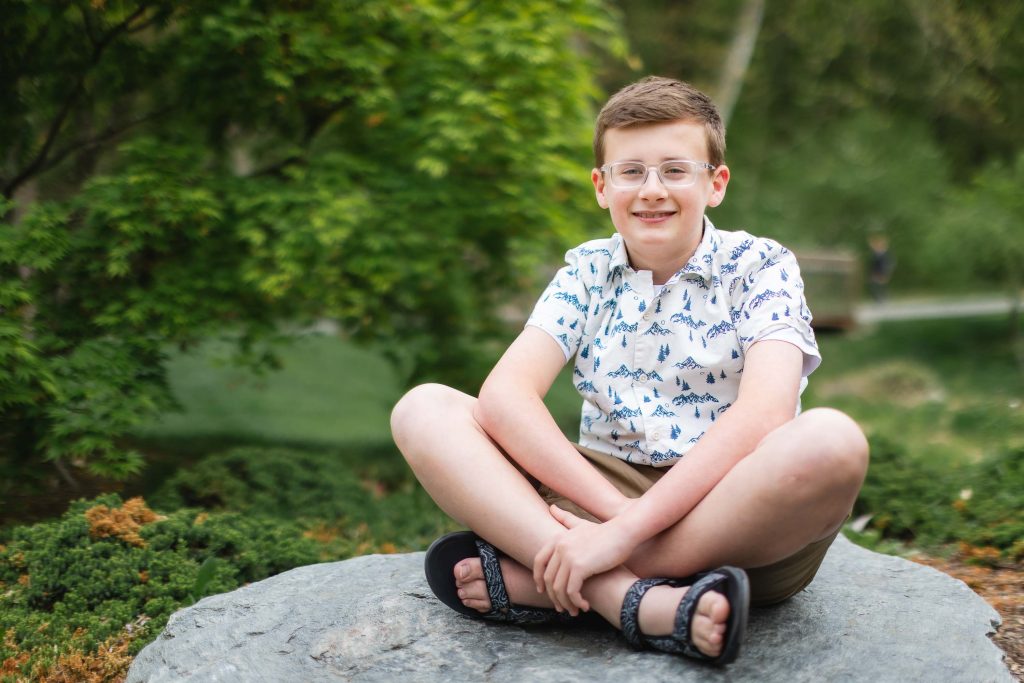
(797, 487)
(471, 480)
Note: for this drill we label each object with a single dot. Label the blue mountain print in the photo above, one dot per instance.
(662, 411)
(688, 321)
(741, 249)
(625, 327)
(586, 387)
(684, 399)
(689, 364)
(720, 328)
(657, 330)
(572, 300)
(624, 413)
(768, 295)
(585, 251)
(659, 456)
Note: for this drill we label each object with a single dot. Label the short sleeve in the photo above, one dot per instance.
(561, 310)
(773, 306)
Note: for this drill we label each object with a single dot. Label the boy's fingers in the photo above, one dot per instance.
(574, 587)
(565, 518)
(560, 583)
(540, 563)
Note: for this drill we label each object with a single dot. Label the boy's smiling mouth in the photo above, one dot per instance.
(653, 216)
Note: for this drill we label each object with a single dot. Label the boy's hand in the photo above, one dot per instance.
(565, 562)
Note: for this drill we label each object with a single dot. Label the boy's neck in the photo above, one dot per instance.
(664, 264)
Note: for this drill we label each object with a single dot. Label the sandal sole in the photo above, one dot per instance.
(439, 566)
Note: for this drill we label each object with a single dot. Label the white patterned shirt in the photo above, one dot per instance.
(656, 369)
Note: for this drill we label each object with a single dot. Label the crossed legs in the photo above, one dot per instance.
(796, 487)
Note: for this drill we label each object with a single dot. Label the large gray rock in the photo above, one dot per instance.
(866, 617)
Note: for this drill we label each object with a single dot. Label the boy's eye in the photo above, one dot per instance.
(628, 171)
(675, 171)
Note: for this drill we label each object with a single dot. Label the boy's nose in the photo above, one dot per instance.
(653, 187)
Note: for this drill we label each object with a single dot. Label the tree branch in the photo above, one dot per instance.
(37, 164)
(109, 133)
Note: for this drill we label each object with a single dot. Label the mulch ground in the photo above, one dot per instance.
(1003, 588)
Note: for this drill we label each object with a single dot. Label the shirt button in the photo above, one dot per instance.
(647, 316)
(656, 436)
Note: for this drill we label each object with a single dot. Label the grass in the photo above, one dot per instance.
(327, 392)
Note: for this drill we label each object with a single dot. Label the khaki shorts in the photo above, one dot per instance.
(770, 584)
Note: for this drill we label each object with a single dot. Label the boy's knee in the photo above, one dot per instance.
(421, 409)
(832, 455)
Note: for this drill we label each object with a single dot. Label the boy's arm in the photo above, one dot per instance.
(512, 412)
(767, 399)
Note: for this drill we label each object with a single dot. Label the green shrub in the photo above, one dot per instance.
(278, 482)
(76, 582)
(932, 500)
(353, 502)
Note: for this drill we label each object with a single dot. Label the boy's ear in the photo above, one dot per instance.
(719, 181)
(597, 178)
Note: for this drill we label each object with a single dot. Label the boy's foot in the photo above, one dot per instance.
(451, 550)
(657, 610)
(697, 629)
(658, 614)
(469, 579)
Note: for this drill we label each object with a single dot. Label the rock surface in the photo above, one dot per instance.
(866, 617)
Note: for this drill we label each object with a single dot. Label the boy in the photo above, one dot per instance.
(691, 348)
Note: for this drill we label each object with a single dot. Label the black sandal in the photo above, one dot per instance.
(439, 565)
(729, 581)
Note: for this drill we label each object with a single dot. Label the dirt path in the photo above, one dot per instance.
(1003, 588)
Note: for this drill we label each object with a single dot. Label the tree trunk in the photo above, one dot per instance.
(736, 63)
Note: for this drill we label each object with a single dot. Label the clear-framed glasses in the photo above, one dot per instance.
(674, 173)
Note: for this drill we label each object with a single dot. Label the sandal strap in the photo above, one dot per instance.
(493, 579)
(628, 617)
(680, 637)
(502, 608)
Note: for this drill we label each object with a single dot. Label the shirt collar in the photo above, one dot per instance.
(699, 263)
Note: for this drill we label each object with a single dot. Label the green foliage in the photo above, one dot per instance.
(981, 231)
(933, 501)
(61, 576)
(941, 403)
(364, 496)
(863, 174)
(176, 172)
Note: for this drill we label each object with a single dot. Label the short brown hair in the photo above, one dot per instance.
(656, 99)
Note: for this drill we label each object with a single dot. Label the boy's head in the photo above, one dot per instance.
(661, 100)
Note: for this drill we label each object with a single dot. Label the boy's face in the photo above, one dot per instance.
(659, 223)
